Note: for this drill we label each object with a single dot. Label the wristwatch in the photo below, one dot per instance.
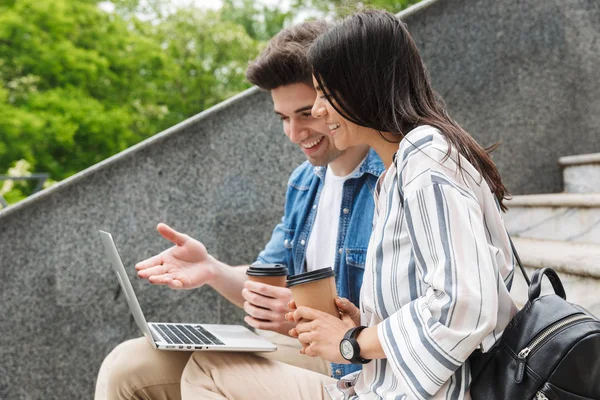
(349, 347)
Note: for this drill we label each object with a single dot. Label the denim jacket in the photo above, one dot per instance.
(290, 237)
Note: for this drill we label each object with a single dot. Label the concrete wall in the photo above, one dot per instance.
(518, 71)
(521, 72)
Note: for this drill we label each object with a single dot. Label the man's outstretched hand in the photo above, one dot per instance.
(187, 265)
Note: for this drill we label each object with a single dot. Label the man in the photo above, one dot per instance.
(326, 223)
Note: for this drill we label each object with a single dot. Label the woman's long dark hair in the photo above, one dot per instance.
(371, 72)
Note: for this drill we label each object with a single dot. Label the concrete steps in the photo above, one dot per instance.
(562, 231)
(581, 173)
(572, 258)
(577, 264)
(571, 217)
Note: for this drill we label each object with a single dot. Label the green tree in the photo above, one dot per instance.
(260, 21)
(341, 8)
(209, 56)
(80, 84)
(65, 68)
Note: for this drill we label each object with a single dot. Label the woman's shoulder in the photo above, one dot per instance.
(423, 148)
(425, 157)
(416, 141)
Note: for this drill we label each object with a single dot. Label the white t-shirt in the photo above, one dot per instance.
(322, 242)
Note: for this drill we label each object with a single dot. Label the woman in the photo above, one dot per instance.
(439, 264)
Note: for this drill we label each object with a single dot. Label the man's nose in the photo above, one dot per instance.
(298, 131)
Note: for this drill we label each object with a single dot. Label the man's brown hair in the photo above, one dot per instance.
(284, 62)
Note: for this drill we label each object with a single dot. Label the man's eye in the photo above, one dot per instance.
(307, 115)
(284, 118)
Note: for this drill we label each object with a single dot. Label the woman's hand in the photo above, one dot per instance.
(319, 332)
(344, 305)
(347, 307)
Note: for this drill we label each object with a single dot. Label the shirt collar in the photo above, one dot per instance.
(372, 165)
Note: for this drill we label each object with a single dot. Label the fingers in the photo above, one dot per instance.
(306, 326)
(306, 313)
(311, 350)
(307, 338)
(269, 290)
(290, 316)
(292, 305)
(309, 346)
(266, 306)
(176, 284)
(347, 307)
(261, 313)
(349, 318)
(267, 296)
(160, 279)
(262, 324)
(166, 280)
(171, 234)
(256, 323)
(263, 302)
(150, 262)
(302, 350)
(151, 271)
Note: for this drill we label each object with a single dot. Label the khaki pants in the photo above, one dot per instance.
(239, 376)
(135, 370)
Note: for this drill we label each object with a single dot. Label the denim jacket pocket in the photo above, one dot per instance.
(355, 262)
(356, 257)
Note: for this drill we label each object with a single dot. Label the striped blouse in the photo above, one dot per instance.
(438, 273)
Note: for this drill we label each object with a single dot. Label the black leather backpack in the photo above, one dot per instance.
(550, 350)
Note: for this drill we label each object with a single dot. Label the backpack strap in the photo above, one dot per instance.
(512, 245)
(536, 285)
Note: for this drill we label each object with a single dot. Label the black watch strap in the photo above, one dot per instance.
(351, 336)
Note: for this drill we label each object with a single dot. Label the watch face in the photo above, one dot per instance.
(346, 349)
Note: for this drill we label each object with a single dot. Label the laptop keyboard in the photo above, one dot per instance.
(186, 334)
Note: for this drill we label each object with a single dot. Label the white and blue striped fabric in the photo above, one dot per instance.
(438, 273)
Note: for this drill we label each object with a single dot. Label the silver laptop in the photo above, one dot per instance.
(180, 336)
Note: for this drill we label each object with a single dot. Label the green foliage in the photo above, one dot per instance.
(261, 22)
(13, 190)
(208, 56)
(79, 83)
(341, 8)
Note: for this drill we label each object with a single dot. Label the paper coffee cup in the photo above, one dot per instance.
(315, 289)
(270, 274)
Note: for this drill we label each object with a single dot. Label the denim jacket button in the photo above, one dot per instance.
(314, 206)
(303, 242)
(340, 250)
(346, 210)
(338, 371)
(286, 242)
